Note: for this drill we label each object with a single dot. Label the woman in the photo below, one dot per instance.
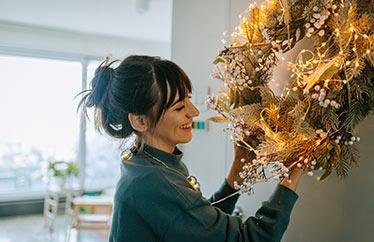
(155, 199)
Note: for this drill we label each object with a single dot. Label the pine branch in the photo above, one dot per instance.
(330, 119)
(358, 111)
(349, 157)
(342, 169)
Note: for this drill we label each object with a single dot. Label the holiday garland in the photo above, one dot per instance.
(331, 89)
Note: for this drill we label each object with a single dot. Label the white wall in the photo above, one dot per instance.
(17, 38)
(197, 28)
(328, 211)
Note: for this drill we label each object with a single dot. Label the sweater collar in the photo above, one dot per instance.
(169, 158)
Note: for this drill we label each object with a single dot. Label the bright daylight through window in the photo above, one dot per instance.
(39, 124)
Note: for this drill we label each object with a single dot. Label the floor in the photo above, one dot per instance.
(31, 229)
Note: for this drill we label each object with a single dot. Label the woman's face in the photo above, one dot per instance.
(174, 127)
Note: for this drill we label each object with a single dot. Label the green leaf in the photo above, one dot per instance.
(223, 105)
(325, 174)
(218, 60)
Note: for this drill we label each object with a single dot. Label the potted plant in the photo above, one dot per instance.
(61, 170)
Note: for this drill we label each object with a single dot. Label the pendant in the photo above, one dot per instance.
(194, 183)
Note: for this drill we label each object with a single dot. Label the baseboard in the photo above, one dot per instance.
(24, 207)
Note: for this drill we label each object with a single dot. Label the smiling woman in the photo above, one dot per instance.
(156, 199)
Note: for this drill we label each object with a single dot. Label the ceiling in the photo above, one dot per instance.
(139, 19)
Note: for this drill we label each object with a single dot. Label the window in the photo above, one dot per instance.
(39, 122)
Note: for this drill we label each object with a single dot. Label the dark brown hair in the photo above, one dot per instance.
(142, 85)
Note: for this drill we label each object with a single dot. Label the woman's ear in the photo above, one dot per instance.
(138, 122)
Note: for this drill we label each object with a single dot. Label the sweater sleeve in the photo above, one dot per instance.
(227, 205)
(175, 212)
(202, 222)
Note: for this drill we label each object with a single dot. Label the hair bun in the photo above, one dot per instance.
(99, 85)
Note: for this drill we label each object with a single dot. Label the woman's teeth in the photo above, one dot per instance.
(186, 126)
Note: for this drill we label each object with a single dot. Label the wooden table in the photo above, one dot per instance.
(97, 215)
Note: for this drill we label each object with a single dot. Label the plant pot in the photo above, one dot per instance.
(60, 181)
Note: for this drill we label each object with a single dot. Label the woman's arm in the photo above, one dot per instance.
(175, 212)
(293, 180)
(200, 222)
(236, 167)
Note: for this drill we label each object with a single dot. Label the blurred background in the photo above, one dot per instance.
(50, 155)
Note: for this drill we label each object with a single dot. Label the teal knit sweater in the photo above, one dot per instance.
(154, 203)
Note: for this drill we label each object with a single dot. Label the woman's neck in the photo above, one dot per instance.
(160, 145)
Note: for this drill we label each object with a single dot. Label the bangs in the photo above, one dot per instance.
(173, 82)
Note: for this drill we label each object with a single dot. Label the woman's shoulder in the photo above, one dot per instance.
(135, 176)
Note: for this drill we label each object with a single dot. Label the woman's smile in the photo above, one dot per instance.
(187, 127)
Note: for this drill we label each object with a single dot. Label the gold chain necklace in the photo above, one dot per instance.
(192, 180)
(128, 154)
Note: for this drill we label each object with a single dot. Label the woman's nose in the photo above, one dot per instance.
(192, 111)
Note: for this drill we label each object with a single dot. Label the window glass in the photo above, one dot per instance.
(39, 122)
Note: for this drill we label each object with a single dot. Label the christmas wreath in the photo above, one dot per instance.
(311, 123)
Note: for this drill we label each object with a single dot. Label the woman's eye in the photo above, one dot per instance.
(180, 108)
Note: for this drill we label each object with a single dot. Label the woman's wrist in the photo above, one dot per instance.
(292, 181)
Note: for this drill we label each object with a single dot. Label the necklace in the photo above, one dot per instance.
(192, 180)
(127, 155)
